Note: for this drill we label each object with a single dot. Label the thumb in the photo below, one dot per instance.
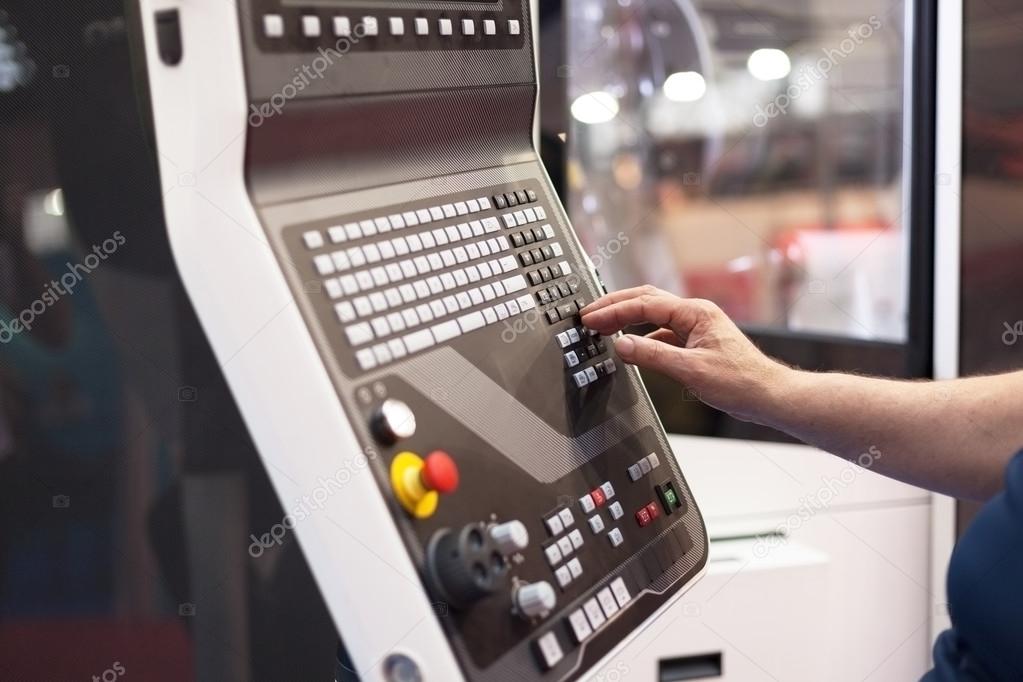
(651, 354)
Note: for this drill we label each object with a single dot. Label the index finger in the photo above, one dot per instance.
(619, 296)
(662, 309)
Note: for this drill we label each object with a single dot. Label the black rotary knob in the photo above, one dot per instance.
(465, 564)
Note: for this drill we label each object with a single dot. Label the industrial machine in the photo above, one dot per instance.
(392, 289)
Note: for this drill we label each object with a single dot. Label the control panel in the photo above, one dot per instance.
(433, 285)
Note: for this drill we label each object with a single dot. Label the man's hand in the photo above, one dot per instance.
(696, 345)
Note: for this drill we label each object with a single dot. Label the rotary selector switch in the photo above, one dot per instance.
(393, 421)
(510, 537)
(535, 600)
(465, 565)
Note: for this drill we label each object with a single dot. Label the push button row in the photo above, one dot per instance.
(511, 199)
(594, 372)
(648, 514)
(310, 25)
(584, 622)
(524, 217)
(644, 466)
(533, 235)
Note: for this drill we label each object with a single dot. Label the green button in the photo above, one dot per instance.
(669, 496)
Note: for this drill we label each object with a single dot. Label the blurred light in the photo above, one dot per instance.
(594, 107)
(769, 64)
(685, 86)
(53, 202)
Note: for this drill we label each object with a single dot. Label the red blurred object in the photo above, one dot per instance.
(440, 472)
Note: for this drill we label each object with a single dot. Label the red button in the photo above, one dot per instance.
(643, 517)
(440, 472)
(598, 497)
(653, 510)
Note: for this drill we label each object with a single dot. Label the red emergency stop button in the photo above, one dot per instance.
(440, 472)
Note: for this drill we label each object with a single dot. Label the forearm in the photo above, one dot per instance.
(952, 436)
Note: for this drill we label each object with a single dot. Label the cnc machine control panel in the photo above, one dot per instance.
(521, 461)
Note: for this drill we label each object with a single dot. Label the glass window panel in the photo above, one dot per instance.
(751, 154)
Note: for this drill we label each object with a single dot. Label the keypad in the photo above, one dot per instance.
(402, 282)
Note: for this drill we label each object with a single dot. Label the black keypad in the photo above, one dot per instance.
(511, 199)
(528, 237)
(517, 240)
(526, 258)
(538, 234)
(537, 255)
(500, 202)
(522, 197)
(552, 315)
(547, 252)
(535, 278)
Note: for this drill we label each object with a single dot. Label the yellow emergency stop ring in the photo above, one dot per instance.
(406, 482)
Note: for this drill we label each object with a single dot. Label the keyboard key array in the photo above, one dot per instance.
(404, 282)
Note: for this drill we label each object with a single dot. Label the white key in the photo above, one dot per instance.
(363, 306)
(488, 292)
(422, 264)
(445, 331)
(473, 273)
(576, 538)
(408, 268)
(513, 284)
(364, 279)
(447, 280)
(563, 575)
(397, 221)
(513, 308)
(372, 253)
(591, 374)
(379, 276)
(424, 313)
(508, 264)
(468, 27)
(378, 301)
(485, 271)
(311, 26)
(273, 25)
(424, 216)
(381, 327)
(382, 353)
(491, 225)
(573, 335)
(313, 240)
(386, 250)
(333, 288)
(324, 264)
(477, 228)
(422, 289)
(366, 358)
(498, 288)
(525, 302)
(370, 26)
(353, 231)
(520, 218)
(530, 215)
(607, 602)
(445, 27)
(620, 591)
(484, 203)
(594, 613)
(580, 379)
(465, 231)
(408, 292)
(575, 567)
(436, 213)
(615, 536)
(394, 272)
(607, 489)
(397, 322)
(422, 26)
(400, 246)
(345, 312)
(548, 231)
(397, 348)
(540, 213)
(438, 309)
(463, 300)
(461, 255)
(474, 205)
(368, 227)
(410, 218)
(471, 322)
(581, 629)
(596, 523)
(359, 334)
(452, 233)
(502, 311)
(557, 250)
(414, 243)
(449, 210)
(489, 315)
(448, 257)
(509, 220)
(615, 510)
(563, 340)
(435, 284)
(440, 236)
(410, 317)
(428, 241)
(357, 258)
(393, 297)
(566, 269)
(553, 553)
(461, 208)
(396, 25)
(383, 224)
(473, 251)
(476, 296)
(417, 341)
(587, 503)
(337, 234)
(450, 304)
(504, 243)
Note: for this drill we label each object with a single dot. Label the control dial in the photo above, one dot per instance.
(392, 421)
(465, 564)
(510, 537)
(535, 600)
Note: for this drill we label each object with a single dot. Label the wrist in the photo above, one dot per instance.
(780, 388)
